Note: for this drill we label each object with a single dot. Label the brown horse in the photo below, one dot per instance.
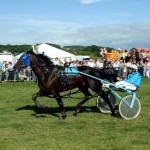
(52, 82)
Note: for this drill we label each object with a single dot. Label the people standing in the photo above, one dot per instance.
(10, 72)
(116, 66)
(1, 65)
(5, 73)
(99, 63)
(147, 73)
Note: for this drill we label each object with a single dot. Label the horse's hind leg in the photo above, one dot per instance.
(87, 97)
(96, 87)
(61, 106)
(105, 97)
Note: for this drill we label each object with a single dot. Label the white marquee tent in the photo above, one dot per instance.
(6, 56)
(18, 56)
(53, 52)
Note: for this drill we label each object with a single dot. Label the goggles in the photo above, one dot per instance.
(131, 68)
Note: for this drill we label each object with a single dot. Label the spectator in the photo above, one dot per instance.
(144, 69)
(147, 73)
(10, 71)
(85, 63)
(78, 63)
(120, 68)
(5, 71)
(116, 66)
(103, 51)
(73, 64)
(56, 61)
(133, 57)
(141, 67)
(128, 58)
(107, 64)
(143, 53)
(94, 63)
(61, 63)
(91, 63)
(137, 56)
(146, 59)
(119, 54)
(124, 71)
(99, 63)
(66, 63)
(28, 73)
(1, 65)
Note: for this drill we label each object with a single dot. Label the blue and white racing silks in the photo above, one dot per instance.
(134, 78)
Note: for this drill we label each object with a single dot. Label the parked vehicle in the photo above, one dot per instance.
(81, 58)
(7, 56)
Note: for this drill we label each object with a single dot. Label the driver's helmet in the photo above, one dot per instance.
(134, 66)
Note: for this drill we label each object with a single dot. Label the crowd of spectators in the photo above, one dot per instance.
(7, 73)
(120, 65)
(7, 69)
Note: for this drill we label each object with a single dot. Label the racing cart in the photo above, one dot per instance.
(129, 105)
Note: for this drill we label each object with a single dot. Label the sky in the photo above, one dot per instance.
(108, 23)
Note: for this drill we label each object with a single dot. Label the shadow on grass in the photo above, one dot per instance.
(53, 111)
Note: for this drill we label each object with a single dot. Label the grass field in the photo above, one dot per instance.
(24, 127)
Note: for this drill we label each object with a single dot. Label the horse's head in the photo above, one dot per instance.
(29, 58)
(24, 61)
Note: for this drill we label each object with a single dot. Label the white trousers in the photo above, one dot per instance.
(125, 85)
(147, 73)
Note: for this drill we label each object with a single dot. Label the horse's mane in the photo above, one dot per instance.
(45, 58)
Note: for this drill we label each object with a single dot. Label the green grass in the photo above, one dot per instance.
(24, 127)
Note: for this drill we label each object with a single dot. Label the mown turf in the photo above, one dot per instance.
(24, 127)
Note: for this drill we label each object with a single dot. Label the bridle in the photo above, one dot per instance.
(25, 60)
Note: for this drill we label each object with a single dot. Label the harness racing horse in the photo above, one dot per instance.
(49, 78)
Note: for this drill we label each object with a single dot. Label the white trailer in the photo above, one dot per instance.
(81, 58)
(7, 57)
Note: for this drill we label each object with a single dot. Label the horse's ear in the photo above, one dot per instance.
(30, 51)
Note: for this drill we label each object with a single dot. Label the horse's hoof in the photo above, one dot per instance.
(75, 114)
(44, 106)
(113, 114)
(116, 107)
(62, 117)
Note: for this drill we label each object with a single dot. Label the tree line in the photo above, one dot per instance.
(93, 51)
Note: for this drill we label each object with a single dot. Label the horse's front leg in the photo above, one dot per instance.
(61, 106)
(78, 107)
(34, 98)
(87, 94)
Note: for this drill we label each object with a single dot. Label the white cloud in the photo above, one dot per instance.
(121, 14)
(88, 1)
(32, 30)
(124, 36)
(92, 1)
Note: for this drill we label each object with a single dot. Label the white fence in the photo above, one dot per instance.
(28, 75)
(22, 75)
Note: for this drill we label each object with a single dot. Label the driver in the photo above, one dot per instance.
(131, 82)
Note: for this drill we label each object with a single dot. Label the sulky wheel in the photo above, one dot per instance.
(125, 111)
(103, 106)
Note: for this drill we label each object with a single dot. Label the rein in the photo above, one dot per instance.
(42, 66)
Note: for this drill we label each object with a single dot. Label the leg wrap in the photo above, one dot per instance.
(105, 97)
